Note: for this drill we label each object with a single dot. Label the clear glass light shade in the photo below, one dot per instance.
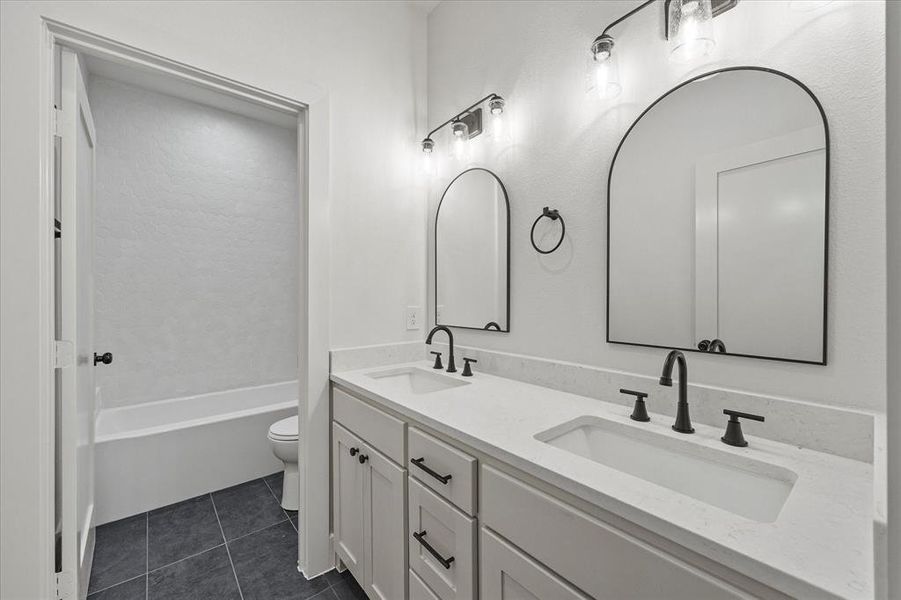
(690, 29)
(428, 157)
(498, 126)
(604, 69)
(459, 141)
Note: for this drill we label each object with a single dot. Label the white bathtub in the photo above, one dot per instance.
(157, 453)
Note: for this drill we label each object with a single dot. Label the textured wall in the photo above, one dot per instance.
(196, 238)
(535, 55)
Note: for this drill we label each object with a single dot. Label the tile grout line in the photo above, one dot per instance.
(241, 537)
(227, 551)
(271, 491)
(195, 555)
(115, 584)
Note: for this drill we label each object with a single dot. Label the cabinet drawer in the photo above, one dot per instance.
(444, 469)
(603, 561)
(380, 429)
(419, 590)
(442, 544)
(506, 573)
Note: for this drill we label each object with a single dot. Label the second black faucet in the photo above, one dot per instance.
(451, 367)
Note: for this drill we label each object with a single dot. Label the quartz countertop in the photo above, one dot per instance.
(820, 544)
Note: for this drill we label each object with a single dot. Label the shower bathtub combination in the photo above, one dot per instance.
(161, 452)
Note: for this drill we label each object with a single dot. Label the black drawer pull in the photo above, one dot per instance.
(445, 562)
(419, 463)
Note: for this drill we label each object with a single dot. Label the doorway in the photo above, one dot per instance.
(74, 52)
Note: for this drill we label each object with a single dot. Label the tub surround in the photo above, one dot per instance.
(819, 544)
(157, 453)
(843, 432)
(196, 225)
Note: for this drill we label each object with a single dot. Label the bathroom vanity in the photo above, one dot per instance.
(455, 488)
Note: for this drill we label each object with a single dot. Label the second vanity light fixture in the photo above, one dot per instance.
(465, 125)
(688, 28)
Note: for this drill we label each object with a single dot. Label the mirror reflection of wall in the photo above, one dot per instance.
(717, 220)
(472, 246)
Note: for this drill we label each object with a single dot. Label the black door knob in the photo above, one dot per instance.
(363, 458)
(353, 451)
(106, 358)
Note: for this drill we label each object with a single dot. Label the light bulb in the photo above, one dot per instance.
(604, 68)
(460, 141)
(428, 156)
(690, 29)
(498, 125)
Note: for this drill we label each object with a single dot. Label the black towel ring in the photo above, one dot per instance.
(553, 214)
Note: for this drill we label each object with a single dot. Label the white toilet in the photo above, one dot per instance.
(283, 437)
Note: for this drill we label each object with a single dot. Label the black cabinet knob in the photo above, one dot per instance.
(363, 458)
(354, 451)
(105, 358)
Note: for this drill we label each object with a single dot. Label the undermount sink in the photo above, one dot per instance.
(413, 380)
(741, 485)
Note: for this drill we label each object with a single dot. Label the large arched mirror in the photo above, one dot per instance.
(718, 219)
(472, 253)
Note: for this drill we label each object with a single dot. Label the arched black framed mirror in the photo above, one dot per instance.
(472, 253)
(718, 218)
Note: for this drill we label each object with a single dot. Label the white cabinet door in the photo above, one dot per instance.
(384, 529)
(508, 574)
(348, 477)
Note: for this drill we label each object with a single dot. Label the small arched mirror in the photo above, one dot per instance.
(472, 253)
(717, 219)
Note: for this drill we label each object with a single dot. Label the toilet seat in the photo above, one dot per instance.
(284, 430)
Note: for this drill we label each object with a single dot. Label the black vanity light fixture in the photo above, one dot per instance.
(465, 125)
(687, 25)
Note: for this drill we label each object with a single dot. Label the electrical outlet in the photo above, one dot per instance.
(412, 317)
(438, 310)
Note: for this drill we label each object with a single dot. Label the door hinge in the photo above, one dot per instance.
(65, 585)
(56, 118)
(63, 354)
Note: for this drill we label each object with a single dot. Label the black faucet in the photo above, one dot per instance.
(683, 421)
(716, 345)
(451, 367)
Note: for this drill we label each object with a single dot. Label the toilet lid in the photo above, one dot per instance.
(286, 429)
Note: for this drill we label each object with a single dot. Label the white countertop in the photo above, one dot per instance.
(821, 542)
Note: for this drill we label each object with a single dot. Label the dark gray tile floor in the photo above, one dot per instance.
(237, 543)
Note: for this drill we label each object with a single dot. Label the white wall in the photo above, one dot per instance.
(534, 54)
(368, 56)
(195, 259)
(893, 214)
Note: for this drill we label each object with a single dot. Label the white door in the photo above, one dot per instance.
(771, 229)
(384, 489)
(347, 477)
(76, 313)
(760, 229)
